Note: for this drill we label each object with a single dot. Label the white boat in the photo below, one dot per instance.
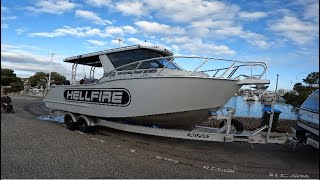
(281, 99)
(251, 97)
(267, 98)
(145, 86)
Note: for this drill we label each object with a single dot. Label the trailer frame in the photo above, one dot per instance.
(203, 133)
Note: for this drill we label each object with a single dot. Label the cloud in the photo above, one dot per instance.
(205, 19)
(26, 62)
(154, 27)
(70, 31)
(52, 6)
(129, 29)
(190, 10)
(300, 32)
(114, 30)
(97, 43)
(92, 16)
(219, 28)
(18, 58)
(131, 8)
(252, 15)
(4, 9)
(110, 31)
(100, 3)
(138, 41)
(95, 32)
(197, 46)
(175, 48)
(4, 25)
(227, 28)
(14, 54)
(310, 9)
(255, 39)
(20, 31)
(5, 17)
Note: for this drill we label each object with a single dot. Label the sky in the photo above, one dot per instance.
(282, 33)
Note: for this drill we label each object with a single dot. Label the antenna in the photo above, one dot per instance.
(119, 40)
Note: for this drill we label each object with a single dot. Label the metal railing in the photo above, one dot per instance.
(226, 74)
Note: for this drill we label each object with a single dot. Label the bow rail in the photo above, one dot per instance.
(229, 70)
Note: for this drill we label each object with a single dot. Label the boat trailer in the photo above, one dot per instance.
(224, 134)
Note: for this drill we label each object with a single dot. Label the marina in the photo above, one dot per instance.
(253, 109)
(129, 89)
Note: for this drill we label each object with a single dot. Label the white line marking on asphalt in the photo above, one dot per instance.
(167, 159)
(119, 146)
(132, 150)
(219, 169)
(299, 176)
(80, 132)
(94, 138)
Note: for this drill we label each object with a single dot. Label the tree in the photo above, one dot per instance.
(7, 76)
(40, 79)
(16, 86)
(57, 78)
(298, 87)
(301, 92)
(312, 79)
(9, 79)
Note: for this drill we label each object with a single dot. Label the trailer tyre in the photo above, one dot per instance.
(83, 126)
(235, 123)
(69, 122)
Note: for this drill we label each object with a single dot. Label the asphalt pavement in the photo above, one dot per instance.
(33, 148)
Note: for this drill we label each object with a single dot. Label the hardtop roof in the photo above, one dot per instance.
(92, 59)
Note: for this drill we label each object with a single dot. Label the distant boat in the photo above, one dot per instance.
(260, 87)
(281, 99)
(251, 97)
(267, 98)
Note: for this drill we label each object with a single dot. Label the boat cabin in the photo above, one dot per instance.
(123, 59)
(139, 61)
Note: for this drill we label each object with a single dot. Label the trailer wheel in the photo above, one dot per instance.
(235, 123)
(83, 126)
(69, 122)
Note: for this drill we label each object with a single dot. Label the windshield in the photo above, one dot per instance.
(126, 57)
(312, 102)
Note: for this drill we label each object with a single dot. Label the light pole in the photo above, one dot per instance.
(50, 70)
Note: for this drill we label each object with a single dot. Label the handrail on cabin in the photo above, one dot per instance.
(233, 66)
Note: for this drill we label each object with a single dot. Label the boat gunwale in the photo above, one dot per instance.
(131, 78)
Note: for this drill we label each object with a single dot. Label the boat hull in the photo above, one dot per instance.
(171, 102)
